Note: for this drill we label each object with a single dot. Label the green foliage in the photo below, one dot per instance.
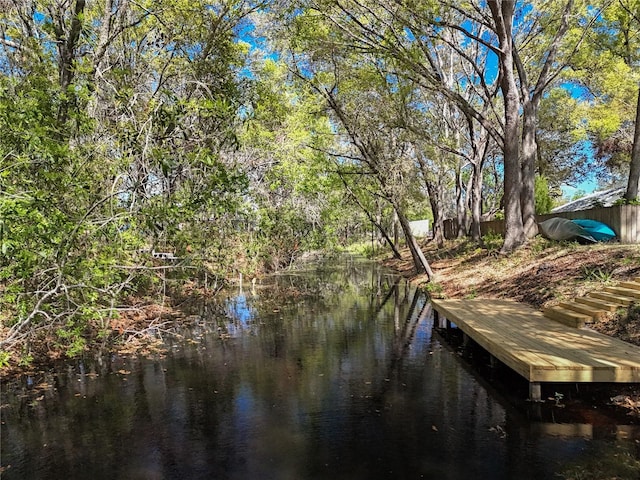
(5, 358)
(472, 295)
(294, 205)
(596, 274)
(365, 249)
(543, 201)
(434, 289)
(170, 133)
(561, 137)
(624, 201)
(578, 194)
(492, 241)
(25, 360)
(97, 167)
(539, 244)
(71, 338)
(605, 68)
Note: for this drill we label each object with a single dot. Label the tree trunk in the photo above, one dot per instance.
(634, 168)
(377, 224)
(529, 154)
(435, 200)
(461, 210)
(392, 246)
(67, 45)
(530, 103)
(480, 145)
(419, 260)
(476, 201)
(396, 233)
(502, 13)
(99, 55)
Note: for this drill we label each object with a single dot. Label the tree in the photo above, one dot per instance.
(633, 183)
(502, 13)
(416, 56)
(606, 68)
(562, 139)
(632, 9)
(121, 120)
(544, 202)
(356, 94)
(294, 195)
(531, 95)
(419, 37)
(380, 149)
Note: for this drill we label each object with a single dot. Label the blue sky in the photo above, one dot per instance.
(587, 186)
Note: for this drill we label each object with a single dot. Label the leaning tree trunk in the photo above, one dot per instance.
(634, 168)
(383, 233)
(419, 260)
(396, 233)
(435, 199)
(377, 224)
(434, 190)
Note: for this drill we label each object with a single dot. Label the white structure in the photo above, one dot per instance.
(420, 228)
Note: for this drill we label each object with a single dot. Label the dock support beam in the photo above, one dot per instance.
(535, 391)
(493, 361)
(439, 321)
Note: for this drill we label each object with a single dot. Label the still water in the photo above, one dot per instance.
(330, 373)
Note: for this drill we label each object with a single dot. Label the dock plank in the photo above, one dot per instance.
(541, 349)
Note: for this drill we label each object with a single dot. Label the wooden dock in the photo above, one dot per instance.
(539, 348)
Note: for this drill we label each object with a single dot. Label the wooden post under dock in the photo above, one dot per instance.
(541, 349)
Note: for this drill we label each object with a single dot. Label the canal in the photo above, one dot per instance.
(331, 372)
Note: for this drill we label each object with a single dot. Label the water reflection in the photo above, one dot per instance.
(335, 372)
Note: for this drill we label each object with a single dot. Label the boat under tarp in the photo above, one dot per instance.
(584, 230)
(563, 229)
(598, 230)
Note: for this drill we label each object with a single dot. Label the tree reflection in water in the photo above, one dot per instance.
(330, 372)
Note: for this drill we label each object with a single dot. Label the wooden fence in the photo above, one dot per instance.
(623, 219)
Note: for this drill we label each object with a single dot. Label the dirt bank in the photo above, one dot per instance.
(541, 274)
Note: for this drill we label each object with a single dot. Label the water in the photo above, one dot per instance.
(325, 374)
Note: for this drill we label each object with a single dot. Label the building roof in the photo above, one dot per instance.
(605, 198)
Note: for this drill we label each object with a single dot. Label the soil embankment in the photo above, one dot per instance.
(541, 274)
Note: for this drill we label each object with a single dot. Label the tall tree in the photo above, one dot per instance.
(359, 95)
(629, 29)
(607, 69)
(502, 13)
(531, 93)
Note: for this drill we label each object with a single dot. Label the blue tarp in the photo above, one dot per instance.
(601, 232)
(580, 229)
